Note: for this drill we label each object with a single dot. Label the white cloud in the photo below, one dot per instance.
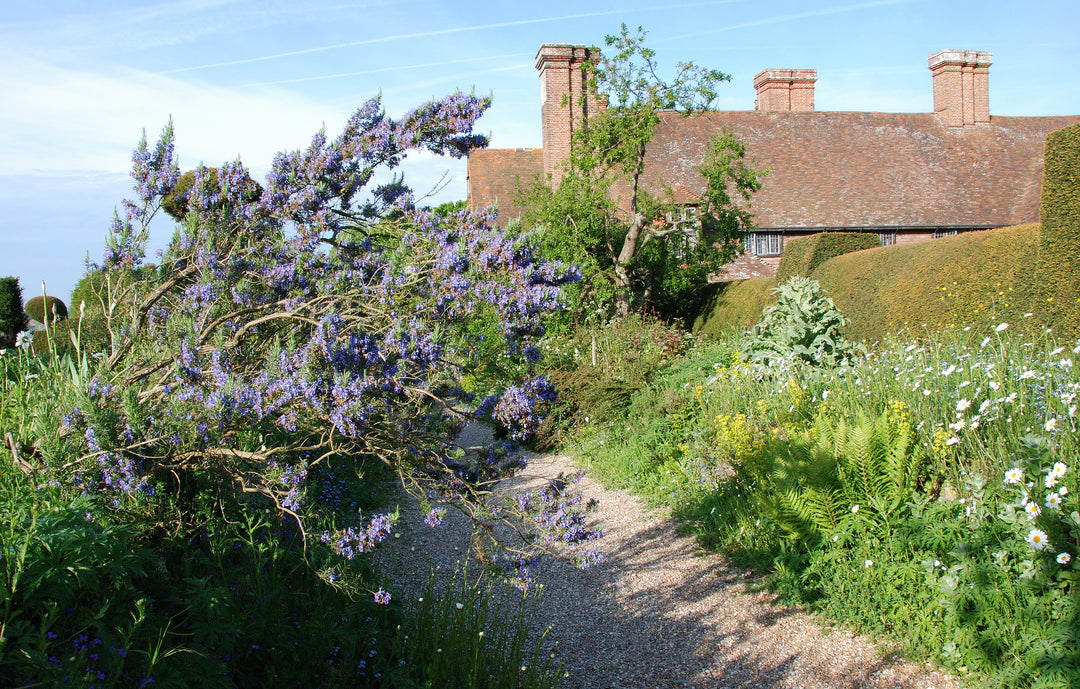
(57, 119)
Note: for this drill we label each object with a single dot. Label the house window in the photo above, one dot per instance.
(764, 243)
(684, 220)
(944, 233)
(887, 238)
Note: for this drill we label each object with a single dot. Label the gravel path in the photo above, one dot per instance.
(657, 612)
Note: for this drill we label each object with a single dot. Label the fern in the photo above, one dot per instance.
(810, 484)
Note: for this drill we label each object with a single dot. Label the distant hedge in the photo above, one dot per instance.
(1059, 266)
(976, 278)
(803, 254)
(734, 305)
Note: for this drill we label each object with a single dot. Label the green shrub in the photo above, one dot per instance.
(1059, 215)
(12, 317)
(803, 254)
(598, 369)
(35, 308)
(976, 278)
(734, 306)
(175, 202)
(803, 323)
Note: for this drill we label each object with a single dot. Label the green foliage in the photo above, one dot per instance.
(810, 486)
(597, 369)
(803, 323)
(12, 317)
(175, 202)
(975, 279)
(468, 634)
(36, 309)
(924, 492)
(639, 250)
(803, 254)
(450, 207)
(1059, 216)
(734, 306)
(242, 603)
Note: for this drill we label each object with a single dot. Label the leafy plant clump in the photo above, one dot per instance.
(803, 324)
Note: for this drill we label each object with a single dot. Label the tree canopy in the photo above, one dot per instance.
(637, 246)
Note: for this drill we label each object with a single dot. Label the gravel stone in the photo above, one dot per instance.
(658, 612)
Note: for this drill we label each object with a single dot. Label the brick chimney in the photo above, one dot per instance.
(785, 90)
(961, 86)
(562, 83)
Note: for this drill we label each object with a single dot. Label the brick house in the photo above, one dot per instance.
(905, 176)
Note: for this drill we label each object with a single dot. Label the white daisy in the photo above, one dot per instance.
(1037, 539)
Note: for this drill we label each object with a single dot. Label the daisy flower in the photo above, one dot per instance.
(1053, 501)
(1037, 539)
(1032, 509)
(1063, 558)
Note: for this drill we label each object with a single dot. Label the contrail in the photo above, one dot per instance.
(436, 32)
(395, 68)
(791, 17)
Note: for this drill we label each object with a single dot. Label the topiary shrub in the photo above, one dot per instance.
(803, 323)
(175, 203)
(735, 305)
(35, 308)
(1059, 216)
(12, 317)
(803, 254)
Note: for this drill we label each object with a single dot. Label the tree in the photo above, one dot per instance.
(642, 245)
(12, 317)
(318, 321)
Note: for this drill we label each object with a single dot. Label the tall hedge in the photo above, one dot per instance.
(803, 254)
(976, 278)
(1059, 215)
(12, 317)
(735, 305)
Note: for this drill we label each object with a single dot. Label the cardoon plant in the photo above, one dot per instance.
(315, 317)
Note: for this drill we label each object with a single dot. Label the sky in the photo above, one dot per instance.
(81, 80)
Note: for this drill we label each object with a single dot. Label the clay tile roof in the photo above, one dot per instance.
(496, 173)
(855, 169)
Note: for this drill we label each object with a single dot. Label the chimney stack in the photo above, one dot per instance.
(563, 111)
(961, 86)
(785, 90)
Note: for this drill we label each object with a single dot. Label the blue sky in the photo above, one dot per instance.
(81, 79)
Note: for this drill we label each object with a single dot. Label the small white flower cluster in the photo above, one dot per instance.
(1036, 538)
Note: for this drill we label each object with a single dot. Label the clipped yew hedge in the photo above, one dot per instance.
(803, 254)
(735, 305)
(976, 278)
(1059, 215)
